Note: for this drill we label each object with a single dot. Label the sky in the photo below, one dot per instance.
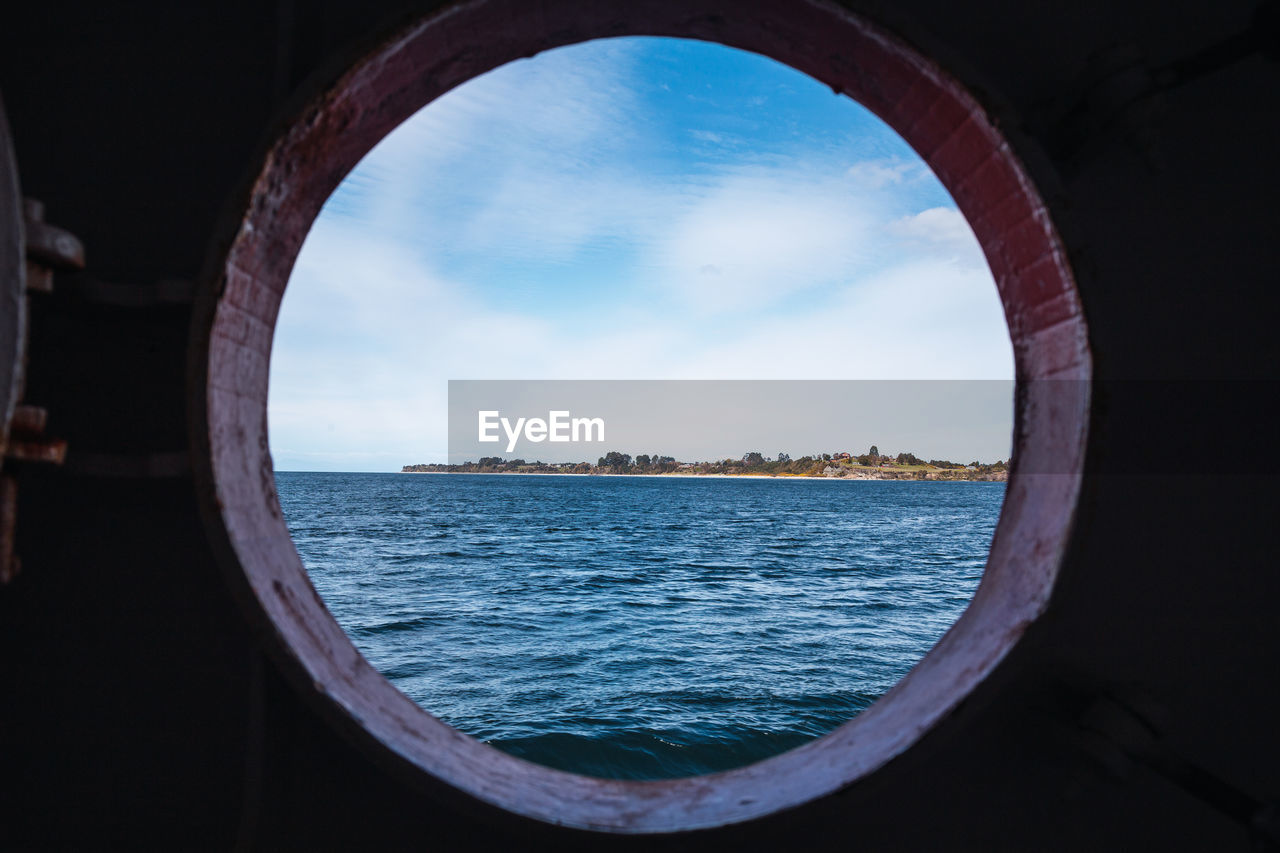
(635, 208)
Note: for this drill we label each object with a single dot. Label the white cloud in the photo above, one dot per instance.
(516, 118)
(914, 321)
(885, 173)
(756, 239)
(939, 229)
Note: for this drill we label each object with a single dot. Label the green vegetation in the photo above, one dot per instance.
(869, 466)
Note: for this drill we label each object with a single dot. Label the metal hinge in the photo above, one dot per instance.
(49, 249)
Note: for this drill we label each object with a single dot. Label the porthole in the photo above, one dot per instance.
(932, 112)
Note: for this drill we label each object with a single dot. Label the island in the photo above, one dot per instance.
(827, 466)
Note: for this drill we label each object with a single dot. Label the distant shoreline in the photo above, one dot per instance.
(897, 476)
(826, 466)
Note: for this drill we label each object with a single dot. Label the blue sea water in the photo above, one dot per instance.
(641, 628)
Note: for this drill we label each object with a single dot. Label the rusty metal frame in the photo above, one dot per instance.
(236, 311)
(31, 251)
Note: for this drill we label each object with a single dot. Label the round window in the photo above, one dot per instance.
(952, 133)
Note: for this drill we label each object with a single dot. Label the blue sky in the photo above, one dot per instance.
(621, 209)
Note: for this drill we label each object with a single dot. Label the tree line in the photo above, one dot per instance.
(902, 466)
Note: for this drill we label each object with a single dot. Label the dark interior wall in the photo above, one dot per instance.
(137, 706)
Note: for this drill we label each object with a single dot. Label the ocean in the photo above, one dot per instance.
(641, 627)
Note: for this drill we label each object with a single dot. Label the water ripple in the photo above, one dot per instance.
(636, 627)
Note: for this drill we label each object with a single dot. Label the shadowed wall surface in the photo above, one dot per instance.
(139, 704)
